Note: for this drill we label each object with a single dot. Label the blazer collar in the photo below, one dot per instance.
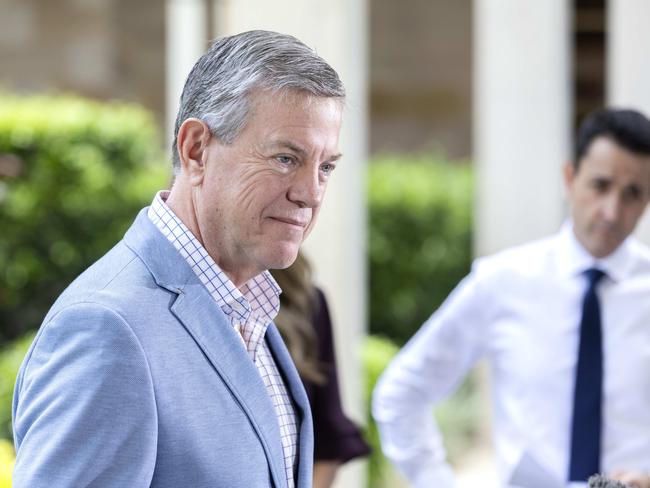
(210, 328)
(166, 265)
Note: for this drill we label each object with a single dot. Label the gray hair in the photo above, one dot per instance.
(218, 89)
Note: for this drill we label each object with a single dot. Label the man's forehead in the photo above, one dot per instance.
(605, 152)
(289, 97)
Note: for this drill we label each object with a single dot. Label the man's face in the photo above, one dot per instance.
(608, 194)
(261, 194)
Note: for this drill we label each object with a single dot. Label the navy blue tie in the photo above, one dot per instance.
(587, 399)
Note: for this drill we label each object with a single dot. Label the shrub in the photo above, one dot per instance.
(419, 239)
(377, 353)
(73, 174)
(11, 356)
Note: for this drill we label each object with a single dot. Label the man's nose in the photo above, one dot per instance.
(612, 207)
(306, 189)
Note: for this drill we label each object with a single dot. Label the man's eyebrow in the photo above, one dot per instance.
(289, 145)
(336, 157)
(299, 150)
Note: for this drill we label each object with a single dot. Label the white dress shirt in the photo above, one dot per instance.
(520, 309)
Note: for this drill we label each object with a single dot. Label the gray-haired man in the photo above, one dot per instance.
(160, 365)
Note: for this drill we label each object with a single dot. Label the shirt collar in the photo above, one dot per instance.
(258, 297)
(574, 259)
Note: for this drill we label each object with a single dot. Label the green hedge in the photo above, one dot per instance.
(377, 353)
(419, 238)
(73, 174)
(11, 356)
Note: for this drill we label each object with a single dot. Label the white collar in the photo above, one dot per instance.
(574, 259)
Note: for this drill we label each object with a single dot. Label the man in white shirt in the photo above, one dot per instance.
(564, 323)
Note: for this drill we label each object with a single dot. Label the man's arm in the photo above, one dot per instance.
(429, 368)
(84, 410)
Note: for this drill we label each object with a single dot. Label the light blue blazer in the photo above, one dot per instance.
(136, 378)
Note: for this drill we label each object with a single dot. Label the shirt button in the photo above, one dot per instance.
(227, 309)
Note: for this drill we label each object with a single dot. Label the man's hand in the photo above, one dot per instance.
(635, 479)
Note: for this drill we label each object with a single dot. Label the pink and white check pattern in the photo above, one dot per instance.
(249, 310)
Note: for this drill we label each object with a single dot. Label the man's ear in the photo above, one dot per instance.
(191, 142)
(569, 171)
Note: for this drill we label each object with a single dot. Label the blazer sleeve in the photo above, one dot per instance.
(84, 408)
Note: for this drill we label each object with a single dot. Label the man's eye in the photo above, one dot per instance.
(284, 159)
(327, 168)
(632, 193)
(600, 185)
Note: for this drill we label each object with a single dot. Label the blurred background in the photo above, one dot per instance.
(459, 116)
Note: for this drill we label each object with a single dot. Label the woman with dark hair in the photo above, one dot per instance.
(305, 324)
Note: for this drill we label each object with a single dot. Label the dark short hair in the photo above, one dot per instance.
(627, 128)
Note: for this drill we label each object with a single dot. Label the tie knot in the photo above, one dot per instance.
(594, 275)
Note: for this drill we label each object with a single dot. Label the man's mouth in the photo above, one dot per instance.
(290, 221)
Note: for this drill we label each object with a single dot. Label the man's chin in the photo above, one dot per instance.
(284, 259)
(604, 249)
(603, 240)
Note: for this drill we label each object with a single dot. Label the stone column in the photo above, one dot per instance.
(186, 38)
(522, 113)
(628, 68)
(337, 30)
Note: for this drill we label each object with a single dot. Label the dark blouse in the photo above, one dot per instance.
(336, 437)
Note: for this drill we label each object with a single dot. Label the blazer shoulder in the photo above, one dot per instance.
(119, 273)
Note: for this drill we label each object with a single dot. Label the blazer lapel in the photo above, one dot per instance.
(211, 330)
(288, 370)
